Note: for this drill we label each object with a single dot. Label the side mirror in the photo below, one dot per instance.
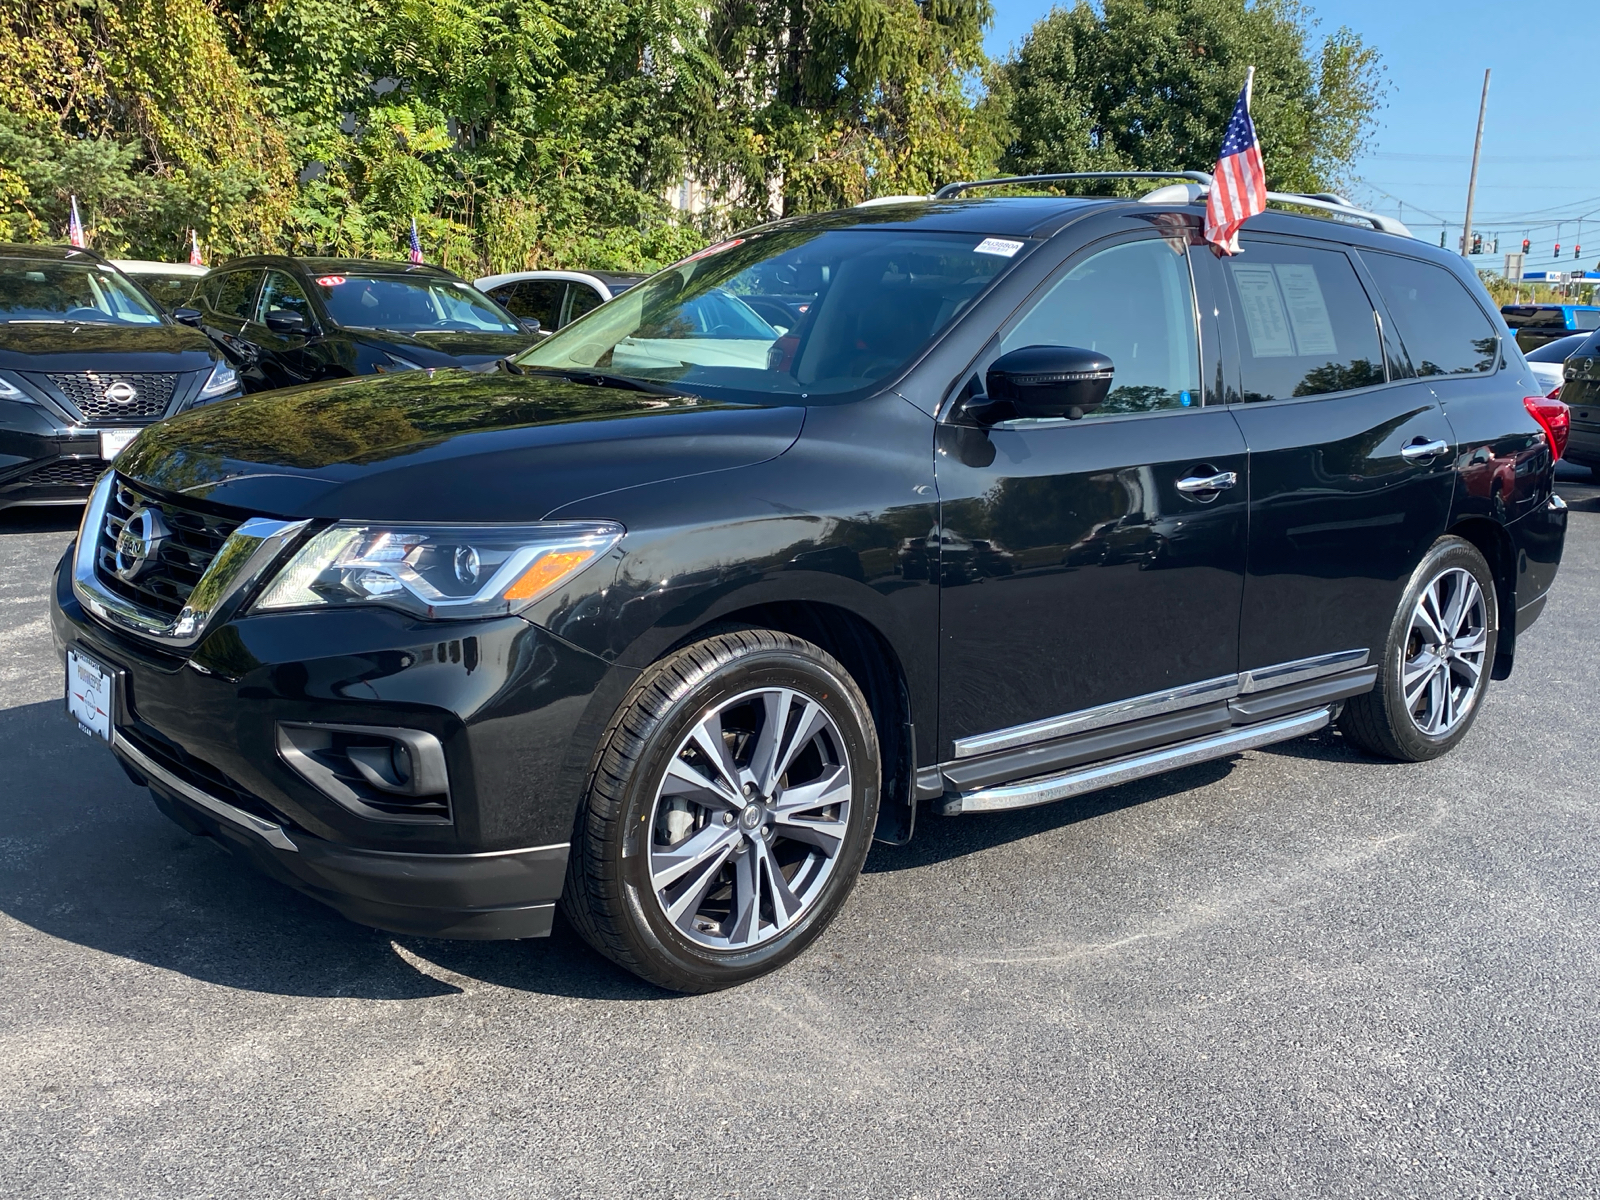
(281, 320)
(1050, 381)
(530, 325)
(188, 316)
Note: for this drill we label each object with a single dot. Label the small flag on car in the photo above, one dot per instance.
(195, 258)
(416, 243)
(75, 226)
(1239, 188)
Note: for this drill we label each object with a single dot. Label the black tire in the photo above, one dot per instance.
(1380, 721)
(608, 895)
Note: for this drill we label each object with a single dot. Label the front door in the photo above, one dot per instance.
(1080, 562)
(229, 300)
(1351, 458)
(287, 357)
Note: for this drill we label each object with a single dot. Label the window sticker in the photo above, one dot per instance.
(1003, 247)
(1263, 310)
(1308, 313)
(330, 281)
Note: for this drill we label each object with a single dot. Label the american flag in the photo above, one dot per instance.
(416, 243)
(1240, 187)
(195, 257)
(75, 226)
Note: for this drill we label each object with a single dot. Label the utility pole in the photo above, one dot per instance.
(1472, 183)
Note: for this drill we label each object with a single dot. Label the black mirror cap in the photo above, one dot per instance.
(1051, 381)
(188, 316)
(530, 324)
(281, 320)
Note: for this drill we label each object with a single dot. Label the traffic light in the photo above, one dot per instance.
(1558, 249)
(1477, 243)
(1577, 252)
(1525, 244)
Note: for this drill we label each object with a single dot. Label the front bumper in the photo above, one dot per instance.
(43, 460)
(510, 704)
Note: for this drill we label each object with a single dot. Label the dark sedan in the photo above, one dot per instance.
(286, 321)
(86, 360)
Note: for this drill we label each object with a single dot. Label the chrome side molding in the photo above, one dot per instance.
(241, 561)
(269, 831)
(1154, 704)
(1048, 788)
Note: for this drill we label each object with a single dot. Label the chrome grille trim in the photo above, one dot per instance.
(246, 555)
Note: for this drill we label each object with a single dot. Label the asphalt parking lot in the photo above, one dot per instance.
(1299, 972)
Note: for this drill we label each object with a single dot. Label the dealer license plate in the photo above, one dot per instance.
(114, 441)
(89, 694)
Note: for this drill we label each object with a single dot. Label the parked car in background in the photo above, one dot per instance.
(86, 360)
(286, 321)
(1545, 361)
(1536, 324)
(668, 617)
(556, 298)
(170, 283)
(1580, 389)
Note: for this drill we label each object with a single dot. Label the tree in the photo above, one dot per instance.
(1148, 85)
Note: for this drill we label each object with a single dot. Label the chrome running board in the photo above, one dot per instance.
(1046, 788)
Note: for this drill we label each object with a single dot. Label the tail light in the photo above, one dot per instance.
(1554, 417)
(1555, 393)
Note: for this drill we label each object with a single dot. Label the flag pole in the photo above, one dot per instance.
(1249, 82)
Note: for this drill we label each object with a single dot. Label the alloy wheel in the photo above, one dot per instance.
(749, 818)
(1444, 652)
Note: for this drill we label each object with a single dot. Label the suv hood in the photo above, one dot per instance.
(92, 346)
(445, 348)
(446, 446)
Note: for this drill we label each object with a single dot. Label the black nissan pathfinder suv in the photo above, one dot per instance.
(664, 621)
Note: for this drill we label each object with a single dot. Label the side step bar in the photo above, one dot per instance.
(1046, 788)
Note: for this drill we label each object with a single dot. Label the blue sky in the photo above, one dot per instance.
(1541, 141)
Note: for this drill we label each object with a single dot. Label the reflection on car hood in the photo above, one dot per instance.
(446, 446)
(433, 347)
(60, 346)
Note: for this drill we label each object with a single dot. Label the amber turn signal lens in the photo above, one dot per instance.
(548, 569)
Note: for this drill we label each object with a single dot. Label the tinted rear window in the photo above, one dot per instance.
(1586, 318)
(1305, 323)
(1444, 330)
(1558, 350)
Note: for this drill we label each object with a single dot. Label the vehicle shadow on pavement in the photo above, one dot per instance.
(62, 518)
(87, 858)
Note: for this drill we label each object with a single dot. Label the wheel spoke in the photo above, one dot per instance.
(684, 908)
(1469, 671)
(826, 836)
(1460, 594)
(775, 705)
(1416, 674)
(668, 865)
(831, 787)
(1427, 615)
(746, 917)
(1438, 690)
(786, 905)
(682, 779)
(707, 738)
(813, 719)
(1475, 642)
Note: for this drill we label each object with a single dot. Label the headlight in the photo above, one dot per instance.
(223, 379)
(438, 571)
(10, 391)
(395, 363)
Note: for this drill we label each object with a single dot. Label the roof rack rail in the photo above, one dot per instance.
(950, 190)
(1329, 202)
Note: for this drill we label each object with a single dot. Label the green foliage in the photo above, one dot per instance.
(525, 133)
(1140, 85)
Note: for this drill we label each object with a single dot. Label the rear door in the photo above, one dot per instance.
(1351, 458)
(540, 299)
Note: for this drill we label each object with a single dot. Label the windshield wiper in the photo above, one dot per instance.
(594, 378)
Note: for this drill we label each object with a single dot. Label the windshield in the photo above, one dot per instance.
(75, 292)
(170, 291)
(411, 304)
(803, 313)
(1558, 350)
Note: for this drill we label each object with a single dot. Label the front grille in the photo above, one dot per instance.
(66, 472)
(194, 771)
(163, 586)
(150, 395)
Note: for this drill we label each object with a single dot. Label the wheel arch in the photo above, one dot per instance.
(1494, 543)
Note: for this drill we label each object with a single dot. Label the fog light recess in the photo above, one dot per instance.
(376, 771)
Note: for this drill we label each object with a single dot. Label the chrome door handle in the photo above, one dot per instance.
(1190, 484)
(1419, 450)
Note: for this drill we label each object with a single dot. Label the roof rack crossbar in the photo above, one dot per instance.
(1322, 201)
(955, 189)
